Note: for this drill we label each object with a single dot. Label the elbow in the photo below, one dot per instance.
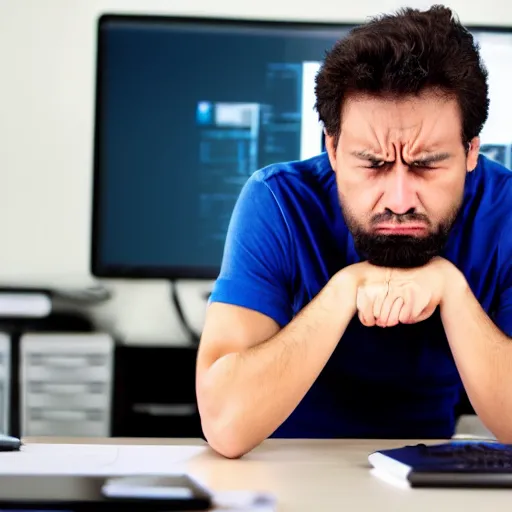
(225, 438)
(501, 430)
(224, 419)
(504, 439)
(222, 422)
(503, 436)
(225, 430)
(230, 449)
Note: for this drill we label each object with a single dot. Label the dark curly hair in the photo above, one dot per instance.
(404, 54)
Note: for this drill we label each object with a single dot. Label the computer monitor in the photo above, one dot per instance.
(187, 109)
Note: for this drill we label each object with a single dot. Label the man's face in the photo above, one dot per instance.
(400, 169)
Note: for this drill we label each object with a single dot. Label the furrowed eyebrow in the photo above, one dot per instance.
(431, 159)
(426, 161)
(365, 155)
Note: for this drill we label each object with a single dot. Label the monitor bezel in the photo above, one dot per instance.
(173, 272)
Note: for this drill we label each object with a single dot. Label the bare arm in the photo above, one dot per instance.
(483, 355)
(251, 376)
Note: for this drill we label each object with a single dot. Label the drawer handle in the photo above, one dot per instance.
(165, 409)
(70, 389)
(64, 415)
(66, 362)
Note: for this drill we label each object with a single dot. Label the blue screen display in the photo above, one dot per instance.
(188, 110)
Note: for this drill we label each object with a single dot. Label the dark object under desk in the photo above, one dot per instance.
(154, 392)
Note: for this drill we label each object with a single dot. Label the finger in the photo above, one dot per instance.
(395, 311)
(406, 313)
(365, 308)
(377, 294)
(382, 320)
(422, 306)
(426, 313)
(378, 300)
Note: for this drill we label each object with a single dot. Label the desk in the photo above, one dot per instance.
(318, 476)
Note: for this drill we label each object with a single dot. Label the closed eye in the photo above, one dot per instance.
(420, 164)
(376, 164)
(431, 161)
(423, 164)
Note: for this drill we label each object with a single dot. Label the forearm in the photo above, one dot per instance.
(254, 391)
(483, 355)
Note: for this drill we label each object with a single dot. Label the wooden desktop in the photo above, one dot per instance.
(317, 476)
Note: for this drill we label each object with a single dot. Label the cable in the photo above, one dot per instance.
(193, 336)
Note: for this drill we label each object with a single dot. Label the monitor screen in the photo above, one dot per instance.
(188, 109)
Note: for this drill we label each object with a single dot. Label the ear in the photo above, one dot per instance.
(330, 146)
(473, 151)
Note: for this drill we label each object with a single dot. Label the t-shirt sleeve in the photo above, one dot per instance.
(255, 271)
(503, 315)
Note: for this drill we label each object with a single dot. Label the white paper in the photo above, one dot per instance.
(244, 501)
(85, 459)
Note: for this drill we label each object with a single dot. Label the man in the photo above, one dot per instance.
(363, 288)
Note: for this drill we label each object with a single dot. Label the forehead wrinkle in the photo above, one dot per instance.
(386, 132)
(428, 142)
(414, 142)
(381, 140)
(421, 139)
(371, 125)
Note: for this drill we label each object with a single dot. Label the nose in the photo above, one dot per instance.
(400, 193)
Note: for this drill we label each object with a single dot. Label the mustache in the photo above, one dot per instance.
(399, 218)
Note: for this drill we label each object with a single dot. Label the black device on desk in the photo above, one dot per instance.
(9, 443)
(453, 464)
(31, 493)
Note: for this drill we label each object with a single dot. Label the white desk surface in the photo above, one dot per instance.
(305, 475)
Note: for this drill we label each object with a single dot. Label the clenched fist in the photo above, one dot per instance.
(387, 296)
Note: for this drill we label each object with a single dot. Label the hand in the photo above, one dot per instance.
(386, 297)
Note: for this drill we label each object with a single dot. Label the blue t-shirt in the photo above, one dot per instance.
(287, 238)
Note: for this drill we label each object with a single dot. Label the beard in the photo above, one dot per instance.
(400, 251)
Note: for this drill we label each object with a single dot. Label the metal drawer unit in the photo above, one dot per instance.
(66, 384)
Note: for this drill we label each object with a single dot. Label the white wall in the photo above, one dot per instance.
(47, 59)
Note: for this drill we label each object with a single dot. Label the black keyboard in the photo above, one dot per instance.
(470, 455)
(453, 464)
